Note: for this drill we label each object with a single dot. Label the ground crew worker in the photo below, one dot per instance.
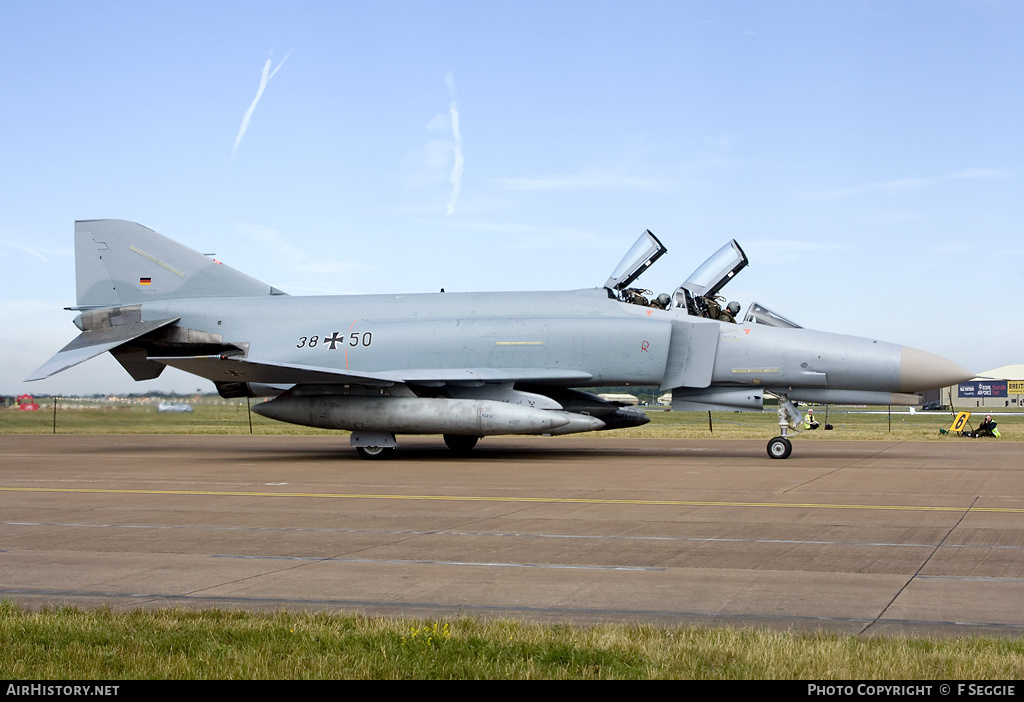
(809, 422)
(987, 428)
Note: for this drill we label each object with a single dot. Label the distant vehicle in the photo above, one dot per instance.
(27, 403)
(934, 405)
(468, 365)
(173, 407)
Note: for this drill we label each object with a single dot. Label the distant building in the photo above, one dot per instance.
(999, 387)
(620, 397)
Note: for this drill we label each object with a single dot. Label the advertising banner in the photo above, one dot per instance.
(983, 388)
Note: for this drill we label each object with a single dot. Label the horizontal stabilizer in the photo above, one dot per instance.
(92, 343)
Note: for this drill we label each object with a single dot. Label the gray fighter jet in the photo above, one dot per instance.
(468, 365)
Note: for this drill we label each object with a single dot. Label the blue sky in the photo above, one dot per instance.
(867, 155)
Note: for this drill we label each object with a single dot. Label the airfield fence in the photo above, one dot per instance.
(215, 415)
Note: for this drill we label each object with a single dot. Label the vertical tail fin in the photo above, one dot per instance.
(123, 263)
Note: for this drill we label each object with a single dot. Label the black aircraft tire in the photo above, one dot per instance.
(374, 453)
(780, 447)
(460, 443)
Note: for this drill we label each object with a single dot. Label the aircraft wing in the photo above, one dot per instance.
(432, 376)
(94, 342)
(234, 369)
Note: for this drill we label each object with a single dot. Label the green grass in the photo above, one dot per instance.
(231, 417)
(77, 644)
(101, 417)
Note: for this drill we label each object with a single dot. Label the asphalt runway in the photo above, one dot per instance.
(856, 537)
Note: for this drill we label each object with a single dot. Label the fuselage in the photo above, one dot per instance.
(594, 339)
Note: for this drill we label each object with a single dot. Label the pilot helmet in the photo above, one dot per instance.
(664, 299)
(733, 307)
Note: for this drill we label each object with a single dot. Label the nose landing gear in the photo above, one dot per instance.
(790, 419)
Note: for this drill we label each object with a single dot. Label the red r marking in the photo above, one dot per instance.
(645, 346)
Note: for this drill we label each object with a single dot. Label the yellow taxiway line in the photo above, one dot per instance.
(541, 500)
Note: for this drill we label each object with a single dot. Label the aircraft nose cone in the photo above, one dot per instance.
(920, 370)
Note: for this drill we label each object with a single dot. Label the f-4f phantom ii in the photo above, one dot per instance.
(468, 365)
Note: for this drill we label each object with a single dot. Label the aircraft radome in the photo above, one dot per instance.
(468, 365)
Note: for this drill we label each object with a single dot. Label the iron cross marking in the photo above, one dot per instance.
(334, 340)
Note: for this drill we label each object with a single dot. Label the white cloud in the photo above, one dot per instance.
(905, 183)
(952, 247)
(304, 273)
(980, 174)
(528, 236)
(456, 176)
(15, 238)
(264, 80)
(29, 251)
(788, 250)
(591, 179)
(888, 219)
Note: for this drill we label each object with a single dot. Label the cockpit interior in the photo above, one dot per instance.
(699, 293)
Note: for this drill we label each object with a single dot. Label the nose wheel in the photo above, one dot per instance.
(780, 447)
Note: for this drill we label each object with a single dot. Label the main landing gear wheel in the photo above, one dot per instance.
(459, 443)
(780, 447)
(374, 453)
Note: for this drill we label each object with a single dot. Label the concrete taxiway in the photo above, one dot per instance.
(857, 537)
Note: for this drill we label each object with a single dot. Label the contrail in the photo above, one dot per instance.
(456, 176)
(264, 79)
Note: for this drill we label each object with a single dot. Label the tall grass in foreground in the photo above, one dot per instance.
(70, 643)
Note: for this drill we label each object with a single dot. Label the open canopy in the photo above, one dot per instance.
(712, 275)
(645, 251)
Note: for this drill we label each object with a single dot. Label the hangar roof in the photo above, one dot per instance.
(1012, 372)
